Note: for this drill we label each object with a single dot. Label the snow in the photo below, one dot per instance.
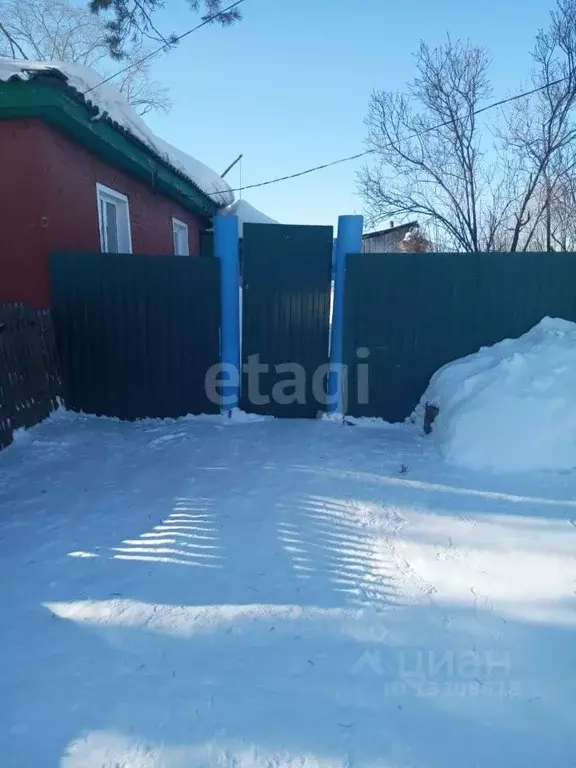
(511, 406)
(111, 102)
(247, 214)
(211, 592)
(411, 235)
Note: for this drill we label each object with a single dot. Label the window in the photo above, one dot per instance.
(180, 236)
(114, 220)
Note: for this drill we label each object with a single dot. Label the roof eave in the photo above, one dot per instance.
(379, 232)
(51, 99)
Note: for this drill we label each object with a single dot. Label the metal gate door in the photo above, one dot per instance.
(286, 318)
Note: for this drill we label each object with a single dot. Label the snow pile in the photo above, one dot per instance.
(512, 406)
(109, 101)
(247, 214)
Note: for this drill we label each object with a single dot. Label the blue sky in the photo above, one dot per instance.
(289, 85)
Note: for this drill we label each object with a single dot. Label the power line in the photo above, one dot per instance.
(164, 47)
(308, 170)
(416, 135)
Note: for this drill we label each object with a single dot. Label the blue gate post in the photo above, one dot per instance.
(349, 241)
(226, 249)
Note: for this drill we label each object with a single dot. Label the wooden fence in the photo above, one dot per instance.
(29, 374)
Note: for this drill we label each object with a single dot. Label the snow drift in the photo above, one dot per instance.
(512, 406)
(109, 101)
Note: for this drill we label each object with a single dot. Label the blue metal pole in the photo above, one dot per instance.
(226, 249)
(349, 241)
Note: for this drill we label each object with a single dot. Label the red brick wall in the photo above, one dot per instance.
(48, 203)
(23, 239)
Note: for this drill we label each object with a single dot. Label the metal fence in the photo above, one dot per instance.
(411, 313)
(136, 334)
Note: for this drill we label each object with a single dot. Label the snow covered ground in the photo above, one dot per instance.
(280, 593)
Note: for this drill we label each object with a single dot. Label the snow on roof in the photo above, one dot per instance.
(111, 103)
(247, 214)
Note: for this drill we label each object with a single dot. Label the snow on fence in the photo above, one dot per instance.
(29, 373)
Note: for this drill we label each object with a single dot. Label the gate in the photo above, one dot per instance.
(286, 318)
(414, 312)
(136, 333)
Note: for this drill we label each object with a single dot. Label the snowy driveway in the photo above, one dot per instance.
(200, 593)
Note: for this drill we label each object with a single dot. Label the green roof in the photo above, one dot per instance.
(49, 97)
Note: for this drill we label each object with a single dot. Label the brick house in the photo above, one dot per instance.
(76, 179)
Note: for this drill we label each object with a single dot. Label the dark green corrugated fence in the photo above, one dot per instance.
(136, 333)
(414, 312)
(286, 315)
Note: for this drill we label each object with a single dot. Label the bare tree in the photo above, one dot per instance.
(540, 132)
(144, 94)
(58, 30)
(486, 187)
(426, 145)
(563, 215)
(6, 40)
(556, 227)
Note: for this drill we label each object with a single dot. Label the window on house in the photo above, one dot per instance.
(114, 220)
(180, 236)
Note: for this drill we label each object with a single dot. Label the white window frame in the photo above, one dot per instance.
(183, 227)
(109, 195)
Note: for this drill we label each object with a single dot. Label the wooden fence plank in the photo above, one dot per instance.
(29, 373)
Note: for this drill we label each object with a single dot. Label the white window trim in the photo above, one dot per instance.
(179, 223)
(101, 189)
